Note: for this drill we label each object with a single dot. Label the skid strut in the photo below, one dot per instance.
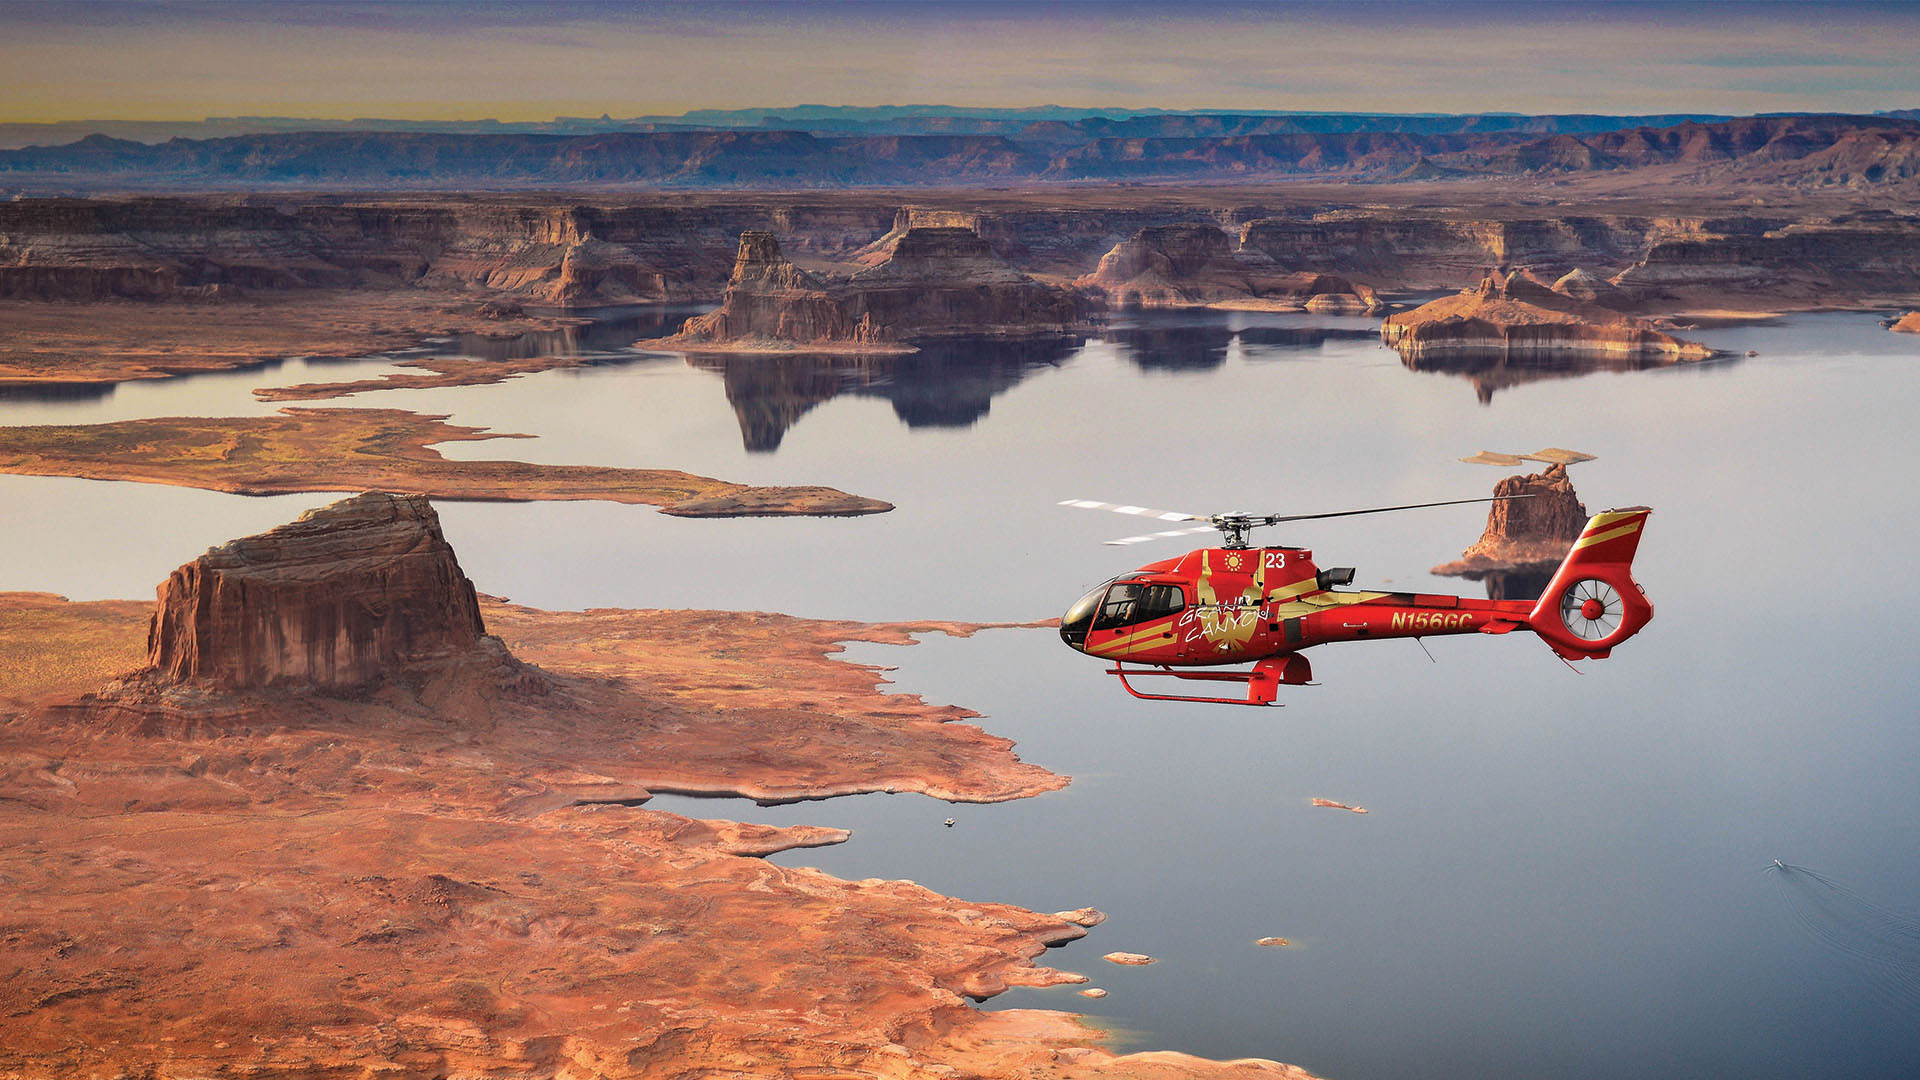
(1262, 682)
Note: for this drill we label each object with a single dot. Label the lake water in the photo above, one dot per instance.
(1562, 875)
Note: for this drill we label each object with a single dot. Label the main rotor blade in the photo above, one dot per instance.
(1168, 535)
(1139, 511)
(1277, 518)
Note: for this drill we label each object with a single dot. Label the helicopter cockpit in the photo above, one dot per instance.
(1122, 601)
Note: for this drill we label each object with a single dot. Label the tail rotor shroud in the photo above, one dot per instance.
(1591, 610)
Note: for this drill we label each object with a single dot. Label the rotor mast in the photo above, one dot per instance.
(1235, 529)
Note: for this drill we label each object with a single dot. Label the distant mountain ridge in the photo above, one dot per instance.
(854, 120)
(1801, 150)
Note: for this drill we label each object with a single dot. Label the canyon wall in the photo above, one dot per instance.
(674, 248)
(933, 281)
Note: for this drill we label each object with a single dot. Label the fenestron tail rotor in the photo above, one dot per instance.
(1235, 527)
(1591, 610)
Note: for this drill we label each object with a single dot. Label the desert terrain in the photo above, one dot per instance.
(251, 804)
(324, 809)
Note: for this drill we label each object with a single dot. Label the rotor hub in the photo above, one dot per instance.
(1234, 529)
(1592, 609)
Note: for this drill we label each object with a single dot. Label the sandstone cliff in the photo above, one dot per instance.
(1907, 324)
(1524, 534)
(945, 281)
(346, 597)
(1179, 266)
(661, 248)
(771, 303)
(1867, 254)
(1197, 265)
(936, 281)
(1517, 314)
(1577, 284)
(543, 250)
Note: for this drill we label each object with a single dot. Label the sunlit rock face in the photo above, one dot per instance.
(770, 299)
(1517, 314)
(1178, 265)
(1190, 265)
(935, 281)
(341, 599)
(1579, 285)
(945, 281)
(1531, 529)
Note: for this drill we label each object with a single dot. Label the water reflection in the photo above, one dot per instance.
(1494, 371)
(56, 391)
(946, 384)
(612, 330)
(1303, 337)
(1173, 348)
(1526, 583)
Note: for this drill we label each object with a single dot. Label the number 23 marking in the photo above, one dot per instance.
(1276, 560)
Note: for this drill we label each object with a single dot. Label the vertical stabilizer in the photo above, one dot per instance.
(1593, 603)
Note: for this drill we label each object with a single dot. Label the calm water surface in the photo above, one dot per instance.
(1562, 874)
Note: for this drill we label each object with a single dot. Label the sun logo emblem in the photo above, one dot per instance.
(1234, 561)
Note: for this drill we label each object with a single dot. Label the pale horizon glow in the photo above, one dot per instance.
(445, 61)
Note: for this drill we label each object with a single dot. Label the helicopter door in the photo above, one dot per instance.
(1123, 625)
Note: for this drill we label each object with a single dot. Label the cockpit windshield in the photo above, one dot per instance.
(1074, 624)
(1117, 604)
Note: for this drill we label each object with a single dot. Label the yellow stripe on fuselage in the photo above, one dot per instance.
(1288, 592)
(1321, 602)
(1119, 643)
(1593, 538)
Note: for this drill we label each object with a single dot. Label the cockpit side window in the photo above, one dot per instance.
(1160, 602)
(1118, 610)
(1129, 602)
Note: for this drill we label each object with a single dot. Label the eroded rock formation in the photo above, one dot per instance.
(1866, 254)
(936, 281)
(1179, 266)
(945, 281)
(1706, 248)
(771, 304)
(1579, 285)
(1198, 265)
(1517, 314)
(1525, 534)
(345, 597)
(548, 251)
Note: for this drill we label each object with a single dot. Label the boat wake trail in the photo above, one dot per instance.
(1883, 944)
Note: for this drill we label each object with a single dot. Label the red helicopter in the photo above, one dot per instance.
(1236, 604)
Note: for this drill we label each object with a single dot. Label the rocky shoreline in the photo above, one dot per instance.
(429, 850)
(304, 449)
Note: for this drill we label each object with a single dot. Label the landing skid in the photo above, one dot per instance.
(1261, 683)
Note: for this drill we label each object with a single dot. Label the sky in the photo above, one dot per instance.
(439, 59)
